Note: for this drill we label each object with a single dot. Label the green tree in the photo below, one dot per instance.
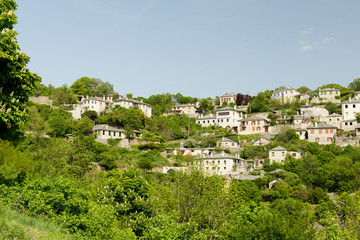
(17, 83)
(355, 85)
(60, 123)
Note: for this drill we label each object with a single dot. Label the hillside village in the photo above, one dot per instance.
(328, 115)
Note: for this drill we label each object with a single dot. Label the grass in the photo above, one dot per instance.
(14, 225)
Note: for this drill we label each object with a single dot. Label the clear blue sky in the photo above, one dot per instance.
(199, 48)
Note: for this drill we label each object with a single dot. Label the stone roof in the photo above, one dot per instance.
(322, 125)
(225, 140)
(228, 109)
(130, 100)
(253, 118)
(329, 89)
(335, 115)
(220, 156)
(228, 95)
(184, 105)
(208, 116)
(96, 99)
(278, 148)
(351, 101)
(110, 128)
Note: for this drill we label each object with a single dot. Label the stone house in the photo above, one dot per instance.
(335, 120)
(223, 164)
(286, 95)
(105, 132)
(229, 98)
(127, 103)
(96, 104)
(301, 132)
(329, 94)
(229, 144)
(317, 112)
(226, 117)
(277, 154)
(261, 141)
(321, 133)
(253, 124)
(190, 151)
(349, 110)
(188, 109)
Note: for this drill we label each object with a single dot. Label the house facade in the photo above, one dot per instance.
(190, 151)
(229, 98)
(224, 164)
(105, 132)
(188, 109)
(96, 104)
(261, 141)
(286, 95)
(321, 133)
(229, 144)
(329, 93)
(277, 154)
(127, 103)
(317, 112)
(253, 124)
(226, 117)
(335, 120)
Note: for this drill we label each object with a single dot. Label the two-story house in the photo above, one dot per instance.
(127, 103)
(288, 94)
(229, 98)
(253, 124)
(321, 133)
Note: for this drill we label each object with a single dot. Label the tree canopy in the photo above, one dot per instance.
(16, 81)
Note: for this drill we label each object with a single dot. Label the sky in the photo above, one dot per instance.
(200, 48)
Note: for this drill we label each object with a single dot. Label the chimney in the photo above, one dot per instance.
(349, 99)
(104, 97)
(316, 124)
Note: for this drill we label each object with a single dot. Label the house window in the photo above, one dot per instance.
(294, 154)
(114, 134)
(326, 130)
(261, 162)
(346, 123)
(331, 130)
(253, 128)
(353, 105)
(346, 106)
(350, 123)
(233, 144)
(225, 162)
(317, 139)
(273, 154)
(283, 154)
(219, 162)
(258, 122)
(224, 168)
(119, 134)
(329, 139)
(312, 131)
(320, 131)
(109, 133)
(103, 132)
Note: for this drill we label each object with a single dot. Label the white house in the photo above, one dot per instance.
(277, 154)
(329, 94)
(349, 110)
(96, 104)
(253, 124)
(317, 112)
(127, 103)
(335, 120)
(322, 133)
(226, 117)
(188, 109)
(226, 143)
(286, 95)
(190, 151)
(229, 98)
(105, 132)
(223, 164)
